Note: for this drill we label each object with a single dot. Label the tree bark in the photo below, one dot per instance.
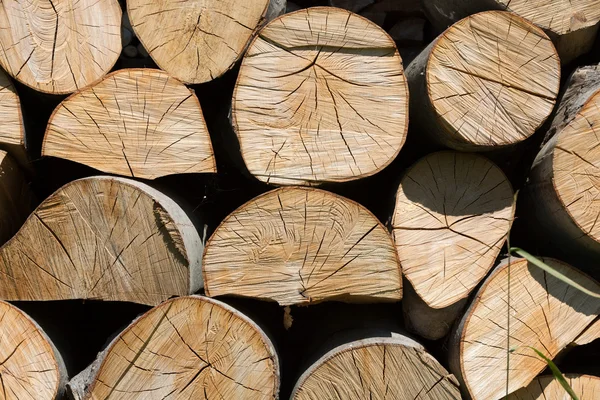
(103, 238)
(377, 368)
(300, 246)
(453, 213)
(199, 42)
(518, 307)
(30, 362)
(561, 194)
(489, 81)
(586, 387)
(43, 46)
(136, 122)
(189, 346)
(572, 25)
(321, 97)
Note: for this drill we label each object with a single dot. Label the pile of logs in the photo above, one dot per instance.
(309, 200)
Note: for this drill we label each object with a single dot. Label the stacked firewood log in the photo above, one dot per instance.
(309, 200)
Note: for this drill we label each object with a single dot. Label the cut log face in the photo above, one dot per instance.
(59, 46)
(31, 367)
(103, 238)
(302, 245)
(321, 96)
(136, 122)
(196, 41)
(491, 80)
(13, 132)
(453, 212)
(586, 387)
(190, 347)
(545, 313)
(377, 368)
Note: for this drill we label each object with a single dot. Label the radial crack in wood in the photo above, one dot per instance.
(542, 312)
(572, 24)
(302, 245)
(199, 40)
(453, 213)
(490, 80)
(586, 387)
(12, 135)
(377, 369)
(30, 365)
(59, 46)
(565, 179)
(103, 238)
(321, 96)
(186, 348)
(141, 123)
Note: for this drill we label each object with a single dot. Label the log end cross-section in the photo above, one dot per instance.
(542, 312)
(186, 348)
(13, 131)
(58, 46)
(30, 365)
(453, 212)
(141, 123)
(302, 245)
(103, 238)
(321, 96)
(546, 387)
(377, 368)
(198, 40)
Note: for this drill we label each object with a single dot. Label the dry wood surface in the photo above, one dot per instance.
(140, 123)
(103, 238)
(186, 348)
(59, 46)
(545, 313)
(321, 96)
(586, 387)
(302, 245)
(12, 135)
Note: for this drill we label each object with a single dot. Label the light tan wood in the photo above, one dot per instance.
(12, 135)
(186, 348)
(321, 97)
(103, 238)
(30, 367)
(453, 213)
(563, 190)
(586, 387)
(545, 313)
(572, 24)
(302, 245)
(377, 369)
(59, 46)
(591, 333)
(141, 123)
(489, 80)
(196, 41)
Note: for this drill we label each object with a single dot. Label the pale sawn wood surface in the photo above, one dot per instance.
(586, 387)
(59, 46)
(141, 123)
(186, 348)
(321, 96)
(545, 313)
(299, 245)
(377, 369)
(103, 238)
(13, 131)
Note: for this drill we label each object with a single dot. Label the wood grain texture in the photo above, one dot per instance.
(545, 313)
(196, 41)
(586, 387)
(141, 123)
(59, 46)
(186, 348)
(103, 238)
(31, 367)
(321, 97)
(377, 369)
(13, 132)
(591, 333)
(453, 213)
(302, 245)
(489, 80)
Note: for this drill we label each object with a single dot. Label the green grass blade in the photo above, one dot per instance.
(557, 374)
(540, 264)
